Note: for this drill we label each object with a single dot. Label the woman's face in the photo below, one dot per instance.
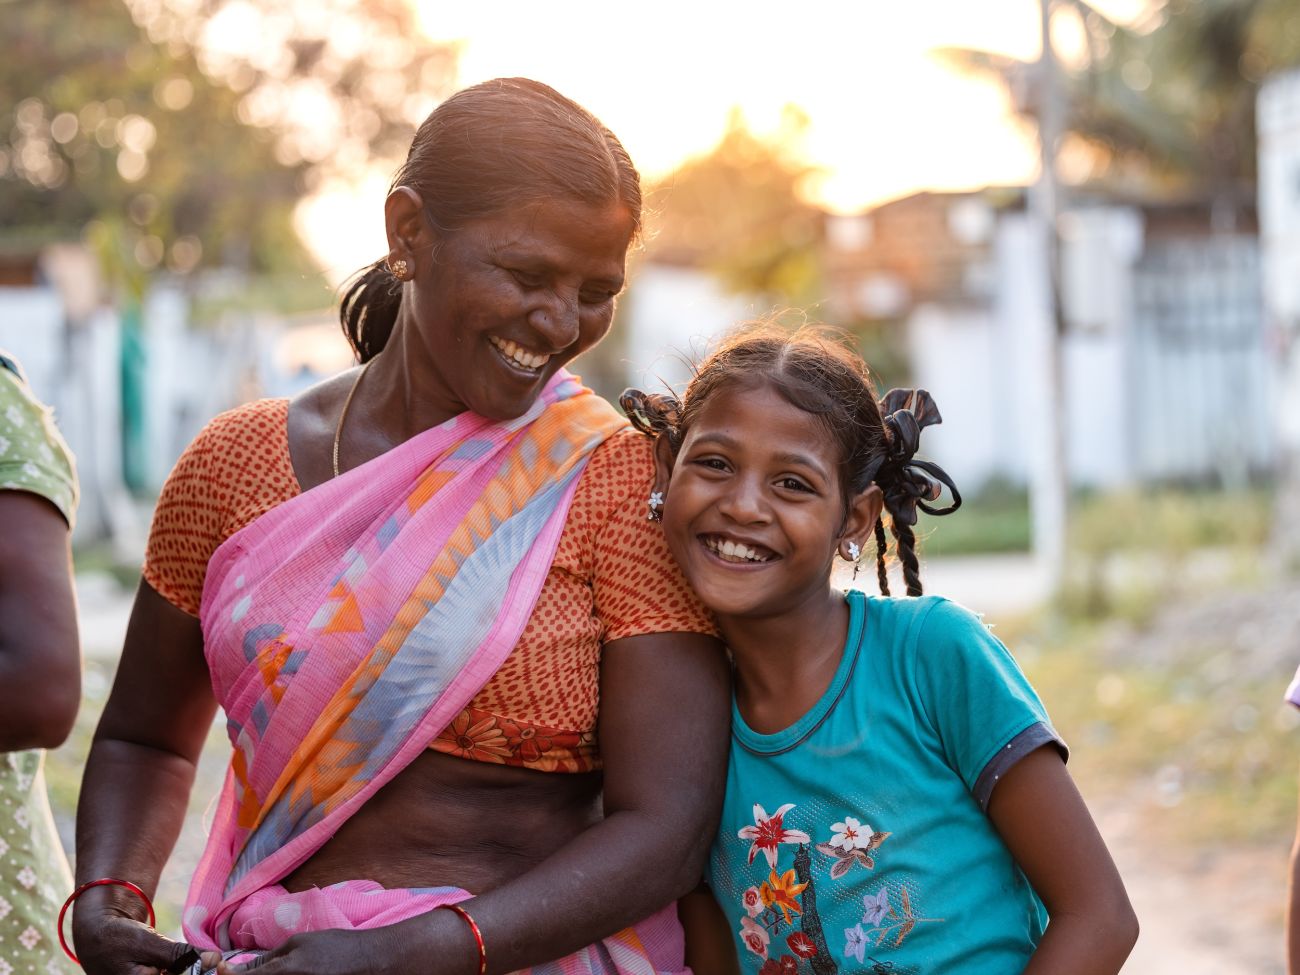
(498, 306)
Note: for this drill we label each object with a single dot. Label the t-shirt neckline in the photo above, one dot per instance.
(791, 737)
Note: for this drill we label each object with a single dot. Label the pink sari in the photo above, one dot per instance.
(347, 627)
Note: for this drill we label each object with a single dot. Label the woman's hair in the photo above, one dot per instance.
(814, 371)
(486, 150)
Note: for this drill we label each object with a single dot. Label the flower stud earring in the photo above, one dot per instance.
(400, 269)
(854, 552)
(656, 502)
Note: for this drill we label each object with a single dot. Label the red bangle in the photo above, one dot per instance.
(478, 935)
(102, 882)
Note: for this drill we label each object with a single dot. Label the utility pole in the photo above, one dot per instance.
(1049, 479)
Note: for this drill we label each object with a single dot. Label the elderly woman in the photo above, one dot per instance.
(458, 666)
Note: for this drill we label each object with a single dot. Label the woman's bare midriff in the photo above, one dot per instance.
(450, 822)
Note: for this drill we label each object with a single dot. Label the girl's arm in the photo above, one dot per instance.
(710, 948)
(1043, 820)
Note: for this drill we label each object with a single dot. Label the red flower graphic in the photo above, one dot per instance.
(801, 945)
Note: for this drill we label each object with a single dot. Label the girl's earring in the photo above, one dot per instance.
(855, 553)
(656, 502)
(399, 269)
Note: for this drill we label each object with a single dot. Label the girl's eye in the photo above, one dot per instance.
(794, 484)
(713, 463)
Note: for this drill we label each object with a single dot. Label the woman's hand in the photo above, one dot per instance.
(378, 951)
(110, 942)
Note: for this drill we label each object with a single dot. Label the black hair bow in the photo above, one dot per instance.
(905, 481)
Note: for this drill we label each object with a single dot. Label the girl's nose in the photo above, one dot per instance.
(745, 502)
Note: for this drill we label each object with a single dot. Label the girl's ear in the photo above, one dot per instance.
(663, 463)
(864, 511)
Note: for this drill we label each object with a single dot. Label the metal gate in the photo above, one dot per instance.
(1199, 369)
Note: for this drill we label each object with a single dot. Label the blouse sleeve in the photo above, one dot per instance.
(186, 527)
(637, 586)
(33, 455)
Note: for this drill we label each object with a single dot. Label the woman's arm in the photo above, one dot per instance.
(137, 783)
(710, 948)
(40, 656)
(1043, 820)
(664, 718)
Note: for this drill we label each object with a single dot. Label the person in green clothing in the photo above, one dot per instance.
(40, 671)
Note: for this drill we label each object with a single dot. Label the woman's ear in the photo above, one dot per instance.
(864, 511)
(408, 231)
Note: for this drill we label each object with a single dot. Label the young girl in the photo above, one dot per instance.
(897, 799)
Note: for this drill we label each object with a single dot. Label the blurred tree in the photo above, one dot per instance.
(340, 82)
(739, 212)
(100, 125)
(1167, 104)
(184, 133)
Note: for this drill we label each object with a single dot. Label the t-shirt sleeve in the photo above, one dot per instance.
(977, 699)
(637, 587)
(33, 455)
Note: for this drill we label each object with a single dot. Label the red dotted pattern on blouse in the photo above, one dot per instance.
(612, 577)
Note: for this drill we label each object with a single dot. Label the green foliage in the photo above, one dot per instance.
(1166, 105)
(738, 211)
(106, 127)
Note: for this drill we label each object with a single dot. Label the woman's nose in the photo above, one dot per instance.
(555, 317)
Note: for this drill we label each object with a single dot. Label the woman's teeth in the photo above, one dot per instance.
(730, 551)
(519, 355)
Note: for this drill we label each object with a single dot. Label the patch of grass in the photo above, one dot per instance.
(994, 519)
(1211, 758)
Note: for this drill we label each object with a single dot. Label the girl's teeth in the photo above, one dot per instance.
(734, 551)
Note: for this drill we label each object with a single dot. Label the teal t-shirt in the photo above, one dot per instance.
(856, 840)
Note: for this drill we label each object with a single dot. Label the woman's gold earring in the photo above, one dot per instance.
(399, 269)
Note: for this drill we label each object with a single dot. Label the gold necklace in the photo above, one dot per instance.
(343, 415)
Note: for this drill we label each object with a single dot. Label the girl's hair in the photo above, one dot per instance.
(487, 150)
(815, 372)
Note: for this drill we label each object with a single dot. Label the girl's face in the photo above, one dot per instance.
(753, 512)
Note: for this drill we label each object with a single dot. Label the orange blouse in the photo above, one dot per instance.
(612, 577)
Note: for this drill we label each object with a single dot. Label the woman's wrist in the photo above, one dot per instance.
(440, 937)
(111, 899)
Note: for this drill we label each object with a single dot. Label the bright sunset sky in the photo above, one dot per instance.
(886, 118)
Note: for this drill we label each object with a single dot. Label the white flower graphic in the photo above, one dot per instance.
(5, 908)
(15, 416)
(850, 834)
(5, 967)
(29, 937)
(22, 817)
(27, 877)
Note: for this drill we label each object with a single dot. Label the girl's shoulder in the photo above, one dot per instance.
(909, 625)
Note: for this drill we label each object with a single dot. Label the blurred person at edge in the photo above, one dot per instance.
(408, 588)
(40, 669)
(1293, 885)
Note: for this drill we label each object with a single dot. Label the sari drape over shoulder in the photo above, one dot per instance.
(346, 627)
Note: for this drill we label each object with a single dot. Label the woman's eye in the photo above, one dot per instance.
(596, 297)
(526, 278)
